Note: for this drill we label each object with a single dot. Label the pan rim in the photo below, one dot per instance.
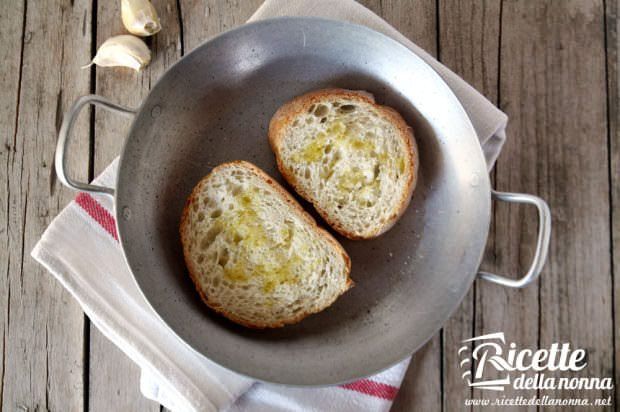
(121, 230)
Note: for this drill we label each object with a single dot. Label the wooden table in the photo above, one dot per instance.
(551, 65)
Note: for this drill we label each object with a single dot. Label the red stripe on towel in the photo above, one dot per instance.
(97, 212)
(372, 388)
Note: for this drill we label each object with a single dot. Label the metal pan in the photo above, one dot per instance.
(214, 106)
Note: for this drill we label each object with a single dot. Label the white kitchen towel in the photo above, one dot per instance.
(80, 248)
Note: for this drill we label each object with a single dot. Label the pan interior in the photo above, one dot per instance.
(214, 106)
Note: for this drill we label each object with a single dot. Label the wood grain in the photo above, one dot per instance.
(11, 32)
(114, 378)
(416, 19)
(613, 115)
(576, 295)
(43, 45)
(554, 101)
(203, 19)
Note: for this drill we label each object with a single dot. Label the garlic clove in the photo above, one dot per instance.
(140, 17)
(124, 50)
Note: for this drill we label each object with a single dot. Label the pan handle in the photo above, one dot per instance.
(542, 244)
(63, 137)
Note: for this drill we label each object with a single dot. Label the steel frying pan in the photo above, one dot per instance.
(214, 106)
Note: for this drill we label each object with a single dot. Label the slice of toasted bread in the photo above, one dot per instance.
(254, 254)
(354, 160)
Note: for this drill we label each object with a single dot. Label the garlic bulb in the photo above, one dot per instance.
(124, 50)
(140, 17)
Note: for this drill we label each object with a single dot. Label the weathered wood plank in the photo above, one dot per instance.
(576, 293)
(613, 116)
(554, 100)
(469, 42)
(203, 19)
(11, 32)
(42, 326)
(415, 19)
(469, 45)
(114, 378)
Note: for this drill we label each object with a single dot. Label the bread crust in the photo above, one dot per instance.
(287, 113)
(295, 208)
